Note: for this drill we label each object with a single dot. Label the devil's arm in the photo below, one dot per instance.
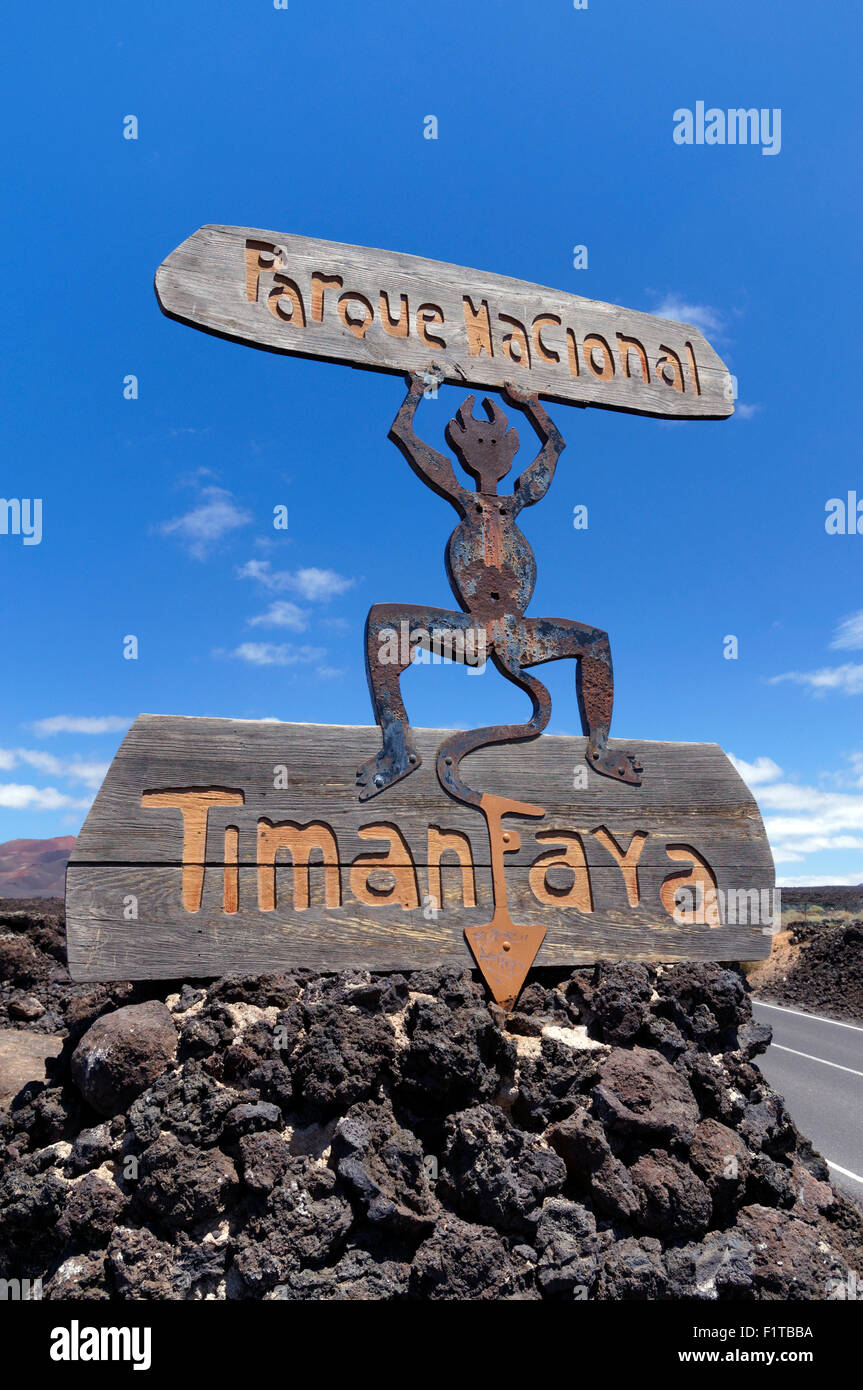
(536, 479)
(434, 468)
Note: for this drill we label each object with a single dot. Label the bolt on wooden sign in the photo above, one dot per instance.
(396, 313)
(222, 845)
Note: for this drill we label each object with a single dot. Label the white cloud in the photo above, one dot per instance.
(802, 820)
(847, 678)
(821, 881)
(815, 844)
(281, 613)
(849, 633)
(314, 585)
(18, 797)
(215, 516)
(754, 774)
(744, 411)
(276, 654)
(703, 316)
(80, 724)
(260, 570)
(320, 585)
(329, 673)
(76, 769)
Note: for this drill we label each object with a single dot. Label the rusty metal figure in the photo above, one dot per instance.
(492, 572)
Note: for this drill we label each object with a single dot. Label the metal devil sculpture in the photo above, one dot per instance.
(492, 572)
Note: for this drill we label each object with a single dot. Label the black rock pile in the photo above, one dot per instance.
(827, 973)
(394, 1137)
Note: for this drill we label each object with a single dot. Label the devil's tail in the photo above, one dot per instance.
(454, 749)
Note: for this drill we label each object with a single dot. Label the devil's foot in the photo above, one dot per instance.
(381, 772)
(623, 767)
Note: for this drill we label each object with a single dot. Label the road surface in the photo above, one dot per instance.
(817, 1065)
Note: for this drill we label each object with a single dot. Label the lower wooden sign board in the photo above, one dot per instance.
(221, 846)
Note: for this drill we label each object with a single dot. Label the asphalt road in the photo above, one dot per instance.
(817, 1065)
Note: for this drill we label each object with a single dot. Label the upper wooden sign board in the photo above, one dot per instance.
(397, 313)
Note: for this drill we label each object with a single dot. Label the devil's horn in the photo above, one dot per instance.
(464, 412)
(494, 412)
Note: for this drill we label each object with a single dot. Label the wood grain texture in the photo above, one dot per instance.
(387, 311)
(690, 789)
(166, 944)
(131, 846)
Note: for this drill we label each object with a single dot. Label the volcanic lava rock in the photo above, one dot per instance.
(141, 1266)
(92, 1211)
(790, 1259)
(554, 1083)
(766, 1125)
(80, 1277)
(461, 1260)
(719, 1266)
(26, 1007)
(360, 1275)
(382, 1168)
(188, 1102)
(247, 1119)
(721, 1159)
(593, 1170)
(358, 1137)
(304, 1223)
(182, 1184)
(706, 1002)
(633, 1268)
(641, 1096)
(454, 1055)
(21, 963)
(495, 1173)
(264, 1160)
(821, 968)
(345, 1055)
(618, 999)
(567, 1242)
(122, 1053)
(673, 1201)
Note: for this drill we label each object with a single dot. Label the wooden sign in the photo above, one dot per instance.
(397, 313)
(219, 845)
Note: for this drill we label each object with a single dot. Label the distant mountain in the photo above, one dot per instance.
(34, 868)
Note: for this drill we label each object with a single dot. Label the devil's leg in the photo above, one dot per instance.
(552, 639)
(393, 632)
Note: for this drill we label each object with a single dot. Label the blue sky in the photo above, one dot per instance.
(555, 130)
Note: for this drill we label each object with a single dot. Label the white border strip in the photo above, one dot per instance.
(846, 1172)
(819, 1018)
(809, 1057)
